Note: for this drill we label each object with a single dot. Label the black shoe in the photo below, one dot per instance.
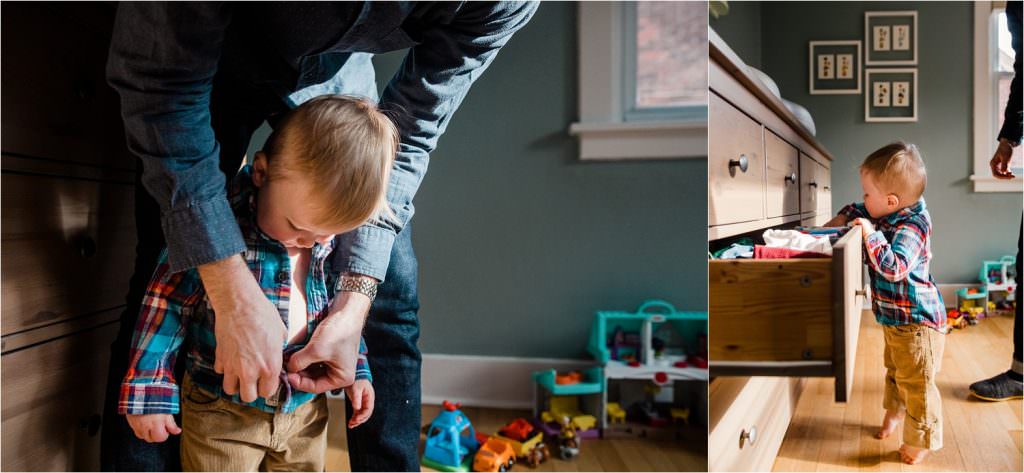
(997, 388)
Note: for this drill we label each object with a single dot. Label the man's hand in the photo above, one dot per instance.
(328, 361)
(1000, 162)
(153, 428)
(249, 331)
(837, 221)
(866, 228)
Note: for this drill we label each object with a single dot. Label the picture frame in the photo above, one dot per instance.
(834, 67)
(891, 95)
(890, 38)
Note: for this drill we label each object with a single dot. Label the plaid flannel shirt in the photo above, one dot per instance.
(175, 310)
(898, 252)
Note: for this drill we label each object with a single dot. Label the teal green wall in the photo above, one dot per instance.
(968, 227)
(741, 29)
(519, 243)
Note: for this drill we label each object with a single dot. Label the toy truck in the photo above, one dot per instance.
(527, 442)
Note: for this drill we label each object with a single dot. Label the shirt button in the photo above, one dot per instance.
(282, 277)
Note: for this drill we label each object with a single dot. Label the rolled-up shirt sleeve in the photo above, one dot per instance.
(421, 98)
(163, 56)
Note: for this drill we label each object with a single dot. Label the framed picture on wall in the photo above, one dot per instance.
(891, 95)
(834, 67)
(890, 38)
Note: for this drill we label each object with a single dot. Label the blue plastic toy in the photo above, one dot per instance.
(451, 441)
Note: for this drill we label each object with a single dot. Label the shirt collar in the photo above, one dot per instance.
(906, 212)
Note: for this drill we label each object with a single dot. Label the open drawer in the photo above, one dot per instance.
(788, 317)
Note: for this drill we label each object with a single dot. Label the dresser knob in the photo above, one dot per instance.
(748, 437)
(741, 163)
(791, 177)
(813, 184)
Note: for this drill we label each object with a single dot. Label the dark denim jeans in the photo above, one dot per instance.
(389, 440)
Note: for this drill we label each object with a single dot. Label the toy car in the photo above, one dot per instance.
(495, 455)
(451, 441)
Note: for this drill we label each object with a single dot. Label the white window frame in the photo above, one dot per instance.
(608, 127)
(986, 101)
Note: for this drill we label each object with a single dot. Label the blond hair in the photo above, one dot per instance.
(898, 169)
(346, 146)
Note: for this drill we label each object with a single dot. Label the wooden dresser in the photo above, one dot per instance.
(772, 321)
(68, 232)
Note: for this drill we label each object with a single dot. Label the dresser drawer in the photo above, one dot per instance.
(782, 186)
(787, 317)
(53, 399)
(56, 102)
(748, 418)
(735, 165)
(67, 248)
(824, 180)
(808, 185)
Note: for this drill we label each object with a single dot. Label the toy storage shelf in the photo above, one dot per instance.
(619, 370)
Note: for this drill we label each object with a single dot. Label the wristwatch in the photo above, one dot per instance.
(362, 285)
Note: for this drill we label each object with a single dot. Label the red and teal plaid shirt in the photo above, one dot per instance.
(898, 255)
(175, 310)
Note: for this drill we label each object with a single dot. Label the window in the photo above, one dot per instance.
(643, 80)
(993, 72)
(666, 51)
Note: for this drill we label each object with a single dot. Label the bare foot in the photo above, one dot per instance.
(890, 423)
(912, 455)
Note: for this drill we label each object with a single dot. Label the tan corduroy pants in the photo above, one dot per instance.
(913, 357)
(220, 435)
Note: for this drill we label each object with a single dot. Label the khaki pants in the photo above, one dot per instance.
(220, 435)
(913, 357)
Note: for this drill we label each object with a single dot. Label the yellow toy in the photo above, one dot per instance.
(615, 413)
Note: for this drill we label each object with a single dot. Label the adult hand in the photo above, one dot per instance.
(1000, 162)
(328, 361)
(249, 331)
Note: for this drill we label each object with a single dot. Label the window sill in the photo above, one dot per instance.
(641, 140)
(991, 184)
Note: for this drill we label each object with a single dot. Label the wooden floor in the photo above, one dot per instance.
(978, 435)
(686, 454)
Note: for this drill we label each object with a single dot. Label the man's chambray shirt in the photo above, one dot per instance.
(898, 253)
(169, 60)
(175, 309)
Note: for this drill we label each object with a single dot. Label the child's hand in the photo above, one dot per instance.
(360, 394)
(153, 428)
(866, 228)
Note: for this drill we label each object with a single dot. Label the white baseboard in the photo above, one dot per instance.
(487, 381)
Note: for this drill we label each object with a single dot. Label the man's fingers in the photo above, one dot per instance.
(301, 382)
(301, 359)
(247, 388)
(268, 385)
(230, 384)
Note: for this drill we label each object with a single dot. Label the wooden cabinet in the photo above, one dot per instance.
(67, 232)
(773, 322)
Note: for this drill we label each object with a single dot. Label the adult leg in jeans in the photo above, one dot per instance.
(234, 120)
(389, 440)
(1007, 385)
